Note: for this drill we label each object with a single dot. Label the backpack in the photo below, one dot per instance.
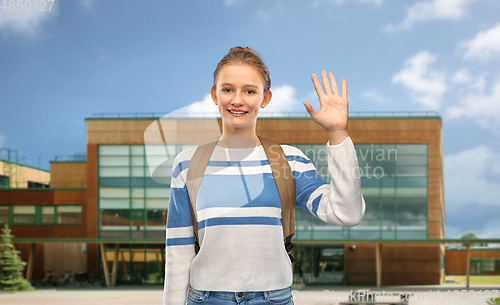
(282, 176)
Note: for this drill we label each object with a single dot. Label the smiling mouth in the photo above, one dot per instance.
(237, 112)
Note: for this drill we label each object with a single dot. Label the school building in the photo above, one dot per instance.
(106, 213)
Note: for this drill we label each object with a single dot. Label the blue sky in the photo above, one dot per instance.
(58, 67)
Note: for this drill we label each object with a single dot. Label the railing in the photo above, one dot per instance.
(137, 115)
(74, 158)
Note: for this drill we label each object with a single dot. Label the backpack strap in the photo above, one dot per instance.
(283, 177)
(195, 173)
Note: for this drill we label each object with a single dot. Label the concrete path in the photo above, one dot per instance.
(327, 295)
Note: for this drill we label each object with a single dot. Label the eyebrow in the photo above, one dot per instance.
(247, 85)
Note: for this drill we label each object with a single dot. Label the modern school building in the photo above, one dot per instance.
(106, 214)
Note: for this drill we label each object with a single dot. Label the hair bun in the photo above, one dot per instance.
(241, 49)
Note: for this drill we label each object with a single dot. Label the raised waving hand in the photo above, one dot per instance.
(333, 108)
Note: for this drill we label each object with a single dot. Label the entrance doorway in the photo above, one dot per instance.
(475, 266)
(319, 264)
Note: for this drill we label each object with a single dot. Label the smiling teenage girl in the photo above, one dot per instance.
(242, 258)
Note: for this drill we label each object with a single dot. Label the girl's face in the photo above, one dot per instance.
(239, 95)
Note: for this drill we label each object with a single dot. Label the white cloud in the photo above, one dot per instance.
(490, 229)
(376, 2)
(283, 101)
(230, 2)
(372, 94)
(88, 4)
(331, 3)
(485, 45)
(470, 177)
(206, 107)
(262, 15)
(462, 76)
(26, 23)
(478, 106)
(430, 10)
(426, 85)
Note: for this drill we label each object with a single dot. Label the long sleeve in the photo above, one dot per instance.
(339, 202)
(179, 238)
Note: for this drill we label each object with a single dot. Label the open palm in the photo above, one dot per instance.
(333, 108)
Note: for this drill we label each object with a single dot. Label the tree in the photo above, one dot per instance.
(469, 236)
(11, 265)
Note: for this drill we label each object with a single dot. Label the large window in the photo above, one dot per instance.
(131, 203)
(41, 215)
(394, 185)
(4, 182)
(4, 214)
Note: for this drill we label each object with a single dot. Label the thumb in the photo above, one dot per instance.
(310, 109)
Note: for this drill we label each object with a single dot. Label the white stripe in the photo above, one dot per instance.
(325, 190)
(302, 167)
(238, 212)
(179, 232)
(236, 170)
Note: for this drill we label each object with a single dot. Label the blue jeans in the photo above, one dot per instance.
(276, 297)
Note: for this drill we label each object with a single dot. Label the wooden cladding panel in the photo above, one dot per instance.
(282, 130)
(90, 210)
(77, 197)
(26, 197)
(421, 261)
(434, 227)
(62, 257)
(68, 171)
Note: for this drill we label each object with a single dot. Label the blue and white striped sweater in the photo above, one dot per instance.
(239, 217)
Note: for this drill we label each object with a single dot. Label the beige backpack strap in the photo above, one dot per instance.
(283, 177)
(196, 170)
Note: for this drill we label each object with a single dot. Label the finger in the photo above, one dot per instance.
(335, 88)
(310, 109)
(344, 88)
(326, 83)
(317, 86)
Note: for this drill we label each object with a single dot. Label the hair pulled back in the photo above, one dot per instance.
(239, 55)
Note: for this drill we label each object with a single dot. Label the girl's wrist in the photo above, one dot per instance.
(337, 136)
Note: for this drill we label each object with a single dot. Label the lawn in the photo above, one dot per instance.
(474, 280)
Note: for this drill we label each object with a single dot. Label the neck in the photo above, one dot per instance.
(239, 138)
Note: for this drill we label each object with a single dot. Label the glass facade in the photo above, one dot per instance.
(393, 179)
(394, 185)
(41, 215)
(131, 204)
(138, 263)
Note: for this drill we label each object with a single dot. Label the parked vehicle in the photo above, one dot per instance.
(65, 279)
(85, 278)
(48, 279)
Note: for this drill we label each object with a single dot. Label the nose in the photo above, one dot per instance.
(237, 99)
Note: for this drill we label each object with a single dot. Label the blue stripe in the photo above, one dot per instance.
(243, 163)
(228, 221)
(315, 205)
(180, 167)
(235, 191)
(179, 211)
(182, 241)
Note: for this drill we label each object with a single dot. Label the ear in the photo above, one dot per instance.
(267, 99)
(212, 93)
